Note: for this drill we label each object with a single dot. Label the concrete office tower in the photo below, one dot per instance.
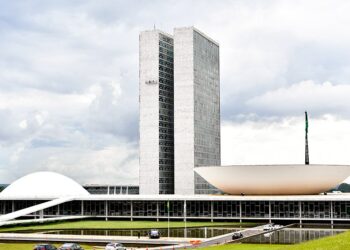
(196, 109)
(156, 113)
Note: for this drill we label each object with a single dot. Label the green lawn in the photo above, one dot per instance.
(245, 247)
(337, 242)
(99, 224)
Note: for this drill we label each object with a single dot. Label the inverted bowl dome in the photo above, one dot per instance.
(275, 179)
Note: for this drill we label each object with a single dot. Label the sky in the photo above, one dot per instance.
(69, 82)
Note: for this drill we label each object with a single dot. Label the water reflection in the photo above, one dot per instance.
(293, 235)
(202, 232)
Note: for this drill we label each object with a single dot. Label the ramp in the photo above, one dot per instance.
(33, 209)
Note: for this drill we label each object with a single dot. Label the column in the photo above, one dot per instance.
(185, 210)
(270, 212)
(185, 219)
(82, 208)
(300, 214)
(41, 214)
(331, 207)
(106, 209)
(212, 211)
(157, 210)
(131, 211)
(240, 211)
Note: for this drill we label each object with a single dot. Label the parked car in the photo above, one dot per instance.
(271, 226)
(237, 235)
(70, 246)
(268, 227)
(115, 246)
(44, 247)
(154, 234)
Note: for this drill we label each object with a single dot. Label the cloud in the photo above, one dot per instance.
(282, 142)
(83, 135)
(86, 165)
(69, 74)
(319, 99)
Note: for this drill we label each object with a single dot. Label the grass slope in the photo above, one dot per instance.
(337, 242)
(91, 224)
(245, 247)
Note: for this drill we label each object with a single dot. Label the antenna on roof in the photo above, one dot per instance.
(306, 140)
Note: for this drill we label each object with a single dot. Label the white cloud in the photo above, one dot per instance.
(70, 70)
(307, 95)
(282, 142)
(104, 166)
(23, 124)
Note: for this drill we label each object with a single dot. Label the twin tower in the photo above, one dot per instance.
(179, 111)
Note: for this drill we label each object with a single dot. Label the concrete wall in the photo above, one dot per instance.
(197, 109)
(183, 111)
(149, 112)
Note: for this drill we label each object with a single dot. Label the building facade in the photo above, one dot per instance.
(156, 113)
(196, 109)
(111, 189)
(179, 112)
(299, 209)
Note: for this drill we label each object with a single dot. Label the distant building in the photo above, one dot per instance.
(3, 186)
(111, 189)
(179, 113)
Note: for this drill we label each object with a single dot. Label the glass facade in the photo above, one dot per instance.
(102, 189)
(192, 209)
(206, 108)
(166, 115)
(341, 209)
(285, 209)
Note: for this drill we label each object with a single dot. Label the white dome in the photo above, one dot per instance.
(47, 185)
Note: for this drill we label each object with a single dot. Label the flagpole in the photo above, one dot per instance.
(306, 140)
